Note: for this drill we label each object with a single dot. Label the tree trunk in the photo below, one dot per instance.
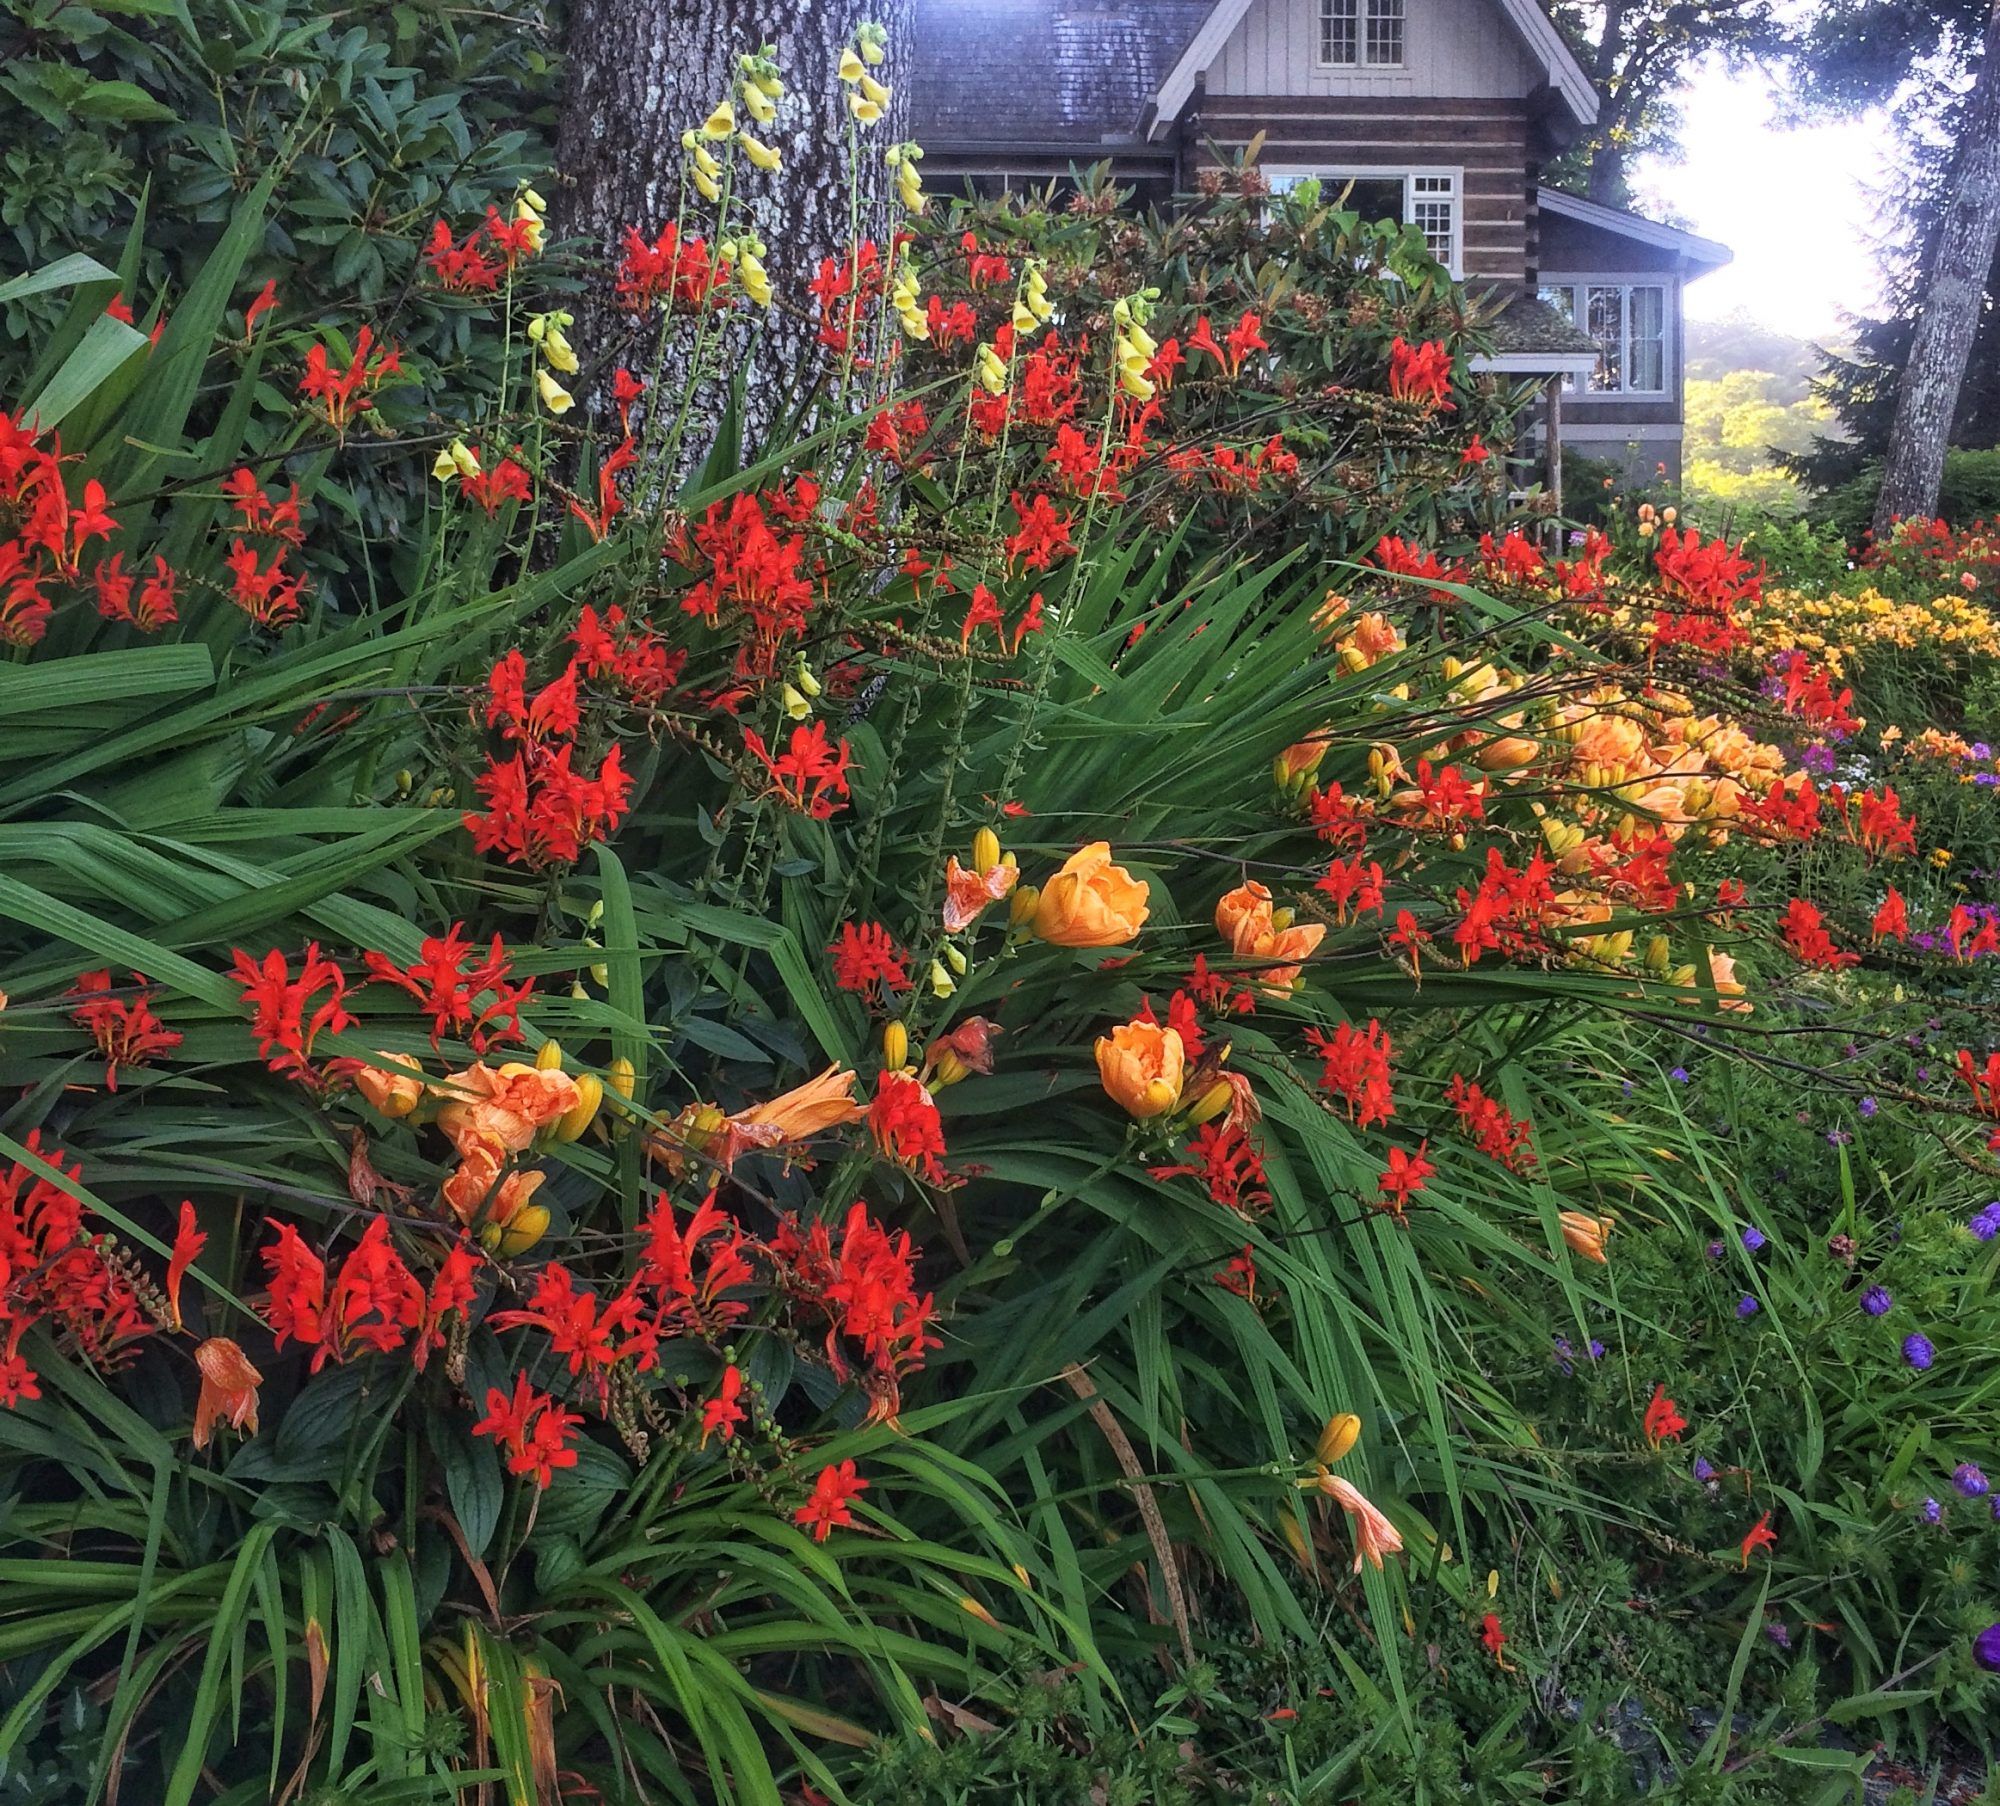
(641, 72)
(1962, 259)
(1604, 179)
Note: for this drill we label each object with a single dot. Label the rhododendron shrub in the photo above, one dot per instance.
(883, 1024)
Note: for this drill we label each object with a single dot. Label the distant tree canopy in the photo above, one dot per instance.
(1749, 397)
(1638, 53)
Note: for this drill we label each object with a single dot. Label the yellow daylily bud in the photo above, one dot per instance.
(1210, 1104)
(949, 1069)
(895, 1046)
(520, 1232)
(849, 68)
(1659, 953)
(758, 152)
(985, 850)
(721, 122)
(621, 1076)
(1340, 1434)
(1022, 905)
(555, 397)
(549, 1056)
(589, 1096)
(975, 1609)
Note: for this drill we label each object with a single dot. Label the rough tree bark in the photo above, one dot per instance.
(641, 72)
(1954, 292)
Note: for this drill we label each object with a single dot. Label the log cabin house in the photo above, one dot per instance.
(1437, 113)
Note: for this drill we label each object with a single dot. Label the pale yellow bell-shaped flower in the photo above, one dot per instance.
(707, 187)
(759, 105)
(558, 350)
(910, 188)
(704, 158)
(721, 122)
(464, 458)
(1024, 318)
(849, 68)
(759, 153)
(756, 281)
(444, 467)
(915, 325)
(555, 397)
(874, 90)
(796, 706)
(866, 111)
(990, 370)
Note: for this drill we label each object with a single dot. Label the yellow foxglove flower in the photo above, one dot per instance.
(704, 158)
(990, 370)
(942, 983)
(758, 152)
(874, 42)
(758, 104)
(445, 467)
(796, 706)
(1024, 317)
(849, 68)
(558, 351)
(804, 678)
(915, 324)
(1135, 384)
(756, 283)
(865, 110)
(529, 198)
(530, 220)
(910, 188)
(465, 458)
(874, 90)
(707, 187)
(555, 397)
(769, 83)
(721, 122)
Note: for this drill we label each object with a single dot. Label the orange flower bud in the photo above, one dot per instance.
(1340, 1435)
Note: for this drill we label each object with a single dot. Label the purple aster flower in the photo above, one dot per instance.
(1746, 1306)
(1970, 1482)
(1625, 1085)
(1980, 750)
(1753, 1239)
(1838, 1138)
(1563, 1352)
(1704, 1471)
(1868, 1109)
(1917, 1350)
(1595, 1349)
(1778, 1634)
(1679, 1075)
(1876, 1301)
(1933, 1512)
(1996, 1508)
(1986, 1648)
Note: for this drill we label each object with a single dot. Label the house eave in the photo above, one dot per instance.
(1535, 363)
(1704, 253)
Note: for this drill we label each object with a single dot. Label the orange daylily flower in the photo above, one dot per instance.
(506, 1106)
(228, 1389)
(393, 1093)
(1244, 918)
(1585, 1235)
(966, 893)
(1091, 902)
(1143, 1067)
(1374, 1535)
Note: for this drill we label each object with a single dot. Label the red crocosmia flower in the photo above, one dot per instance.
(1041, 536)
(1760, 1535)
(552, 715)
(1884, 828)
(1476, 451)
(114, 588)
(721, 1414)
(1491, 1636)
(287, 1013)
(1420, 373)
(266, 302)
(532, 1430)
(514, 239)
(1515, 559)
(1704, 583)
(449, 991)
(577, 1325)
(1354, 1067)
(625, 390)
(1663, 1421)
(376, 1300)
(541, 811)
(983, 269)
(461, 269)
(1409, 939)
(1352, 885)
(452, 1290)
(1403, 558)
(1807, 937)
(118, 308)
(126, 1031)
(347, 392)
(1404, 1178)
(630, 655)
(1240, 1277)
(1496, 1131)
(867, 961)
(982, 609)
(904, 1121)
(269, 595)
(673, 270)
(1227, 1160)
(296, 1306)
(827, 1508)
(810, 775)
(1982, 1081)
(188, 1244)
(497, 484)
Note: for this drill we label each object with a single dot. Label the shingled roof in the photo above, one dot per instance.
(1043, 72)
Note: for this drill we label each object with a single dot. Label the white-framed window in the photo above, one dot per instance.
(1630, 320)
(1361, 34)
(1432, 200)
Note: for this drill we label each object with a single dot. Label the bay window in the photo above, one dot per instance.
(1629, 322)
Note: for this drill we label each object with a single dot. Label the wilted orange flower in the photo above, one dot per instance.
(1245, 919)
(479, 1167)
(967, 893)
(1585, 1234)
(228, 1389)
(1374, 1535)
(1091, 902)
(392, 1093)
(506, 1106)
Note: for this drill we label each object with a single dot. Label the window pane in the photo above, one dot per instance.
(1605, 322)
(1373, 197)
(1648, 366)
(1434, 212)
(1385, 31)
(1339, 31)
(1563, 300)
